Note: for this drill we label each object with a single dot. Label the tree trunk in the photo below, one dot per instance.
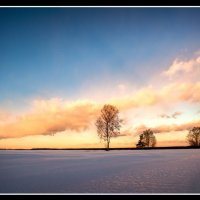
(107, 149)
(108, 146)
(196, 141)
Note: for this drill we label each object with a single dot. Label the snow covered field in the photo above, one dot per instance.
(126, 171)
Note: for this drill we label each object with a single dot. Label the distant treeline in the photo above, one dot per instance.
(129, 148)
(91, 149)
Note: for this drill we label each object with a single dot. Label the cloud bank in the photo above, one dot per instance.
(57, 115)
(51, 116)
(169, 128)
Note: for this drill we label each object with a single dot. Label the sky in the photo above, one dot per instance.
(59, 66)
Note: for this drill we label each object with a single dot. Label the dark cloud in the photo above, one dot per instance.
(174, 115)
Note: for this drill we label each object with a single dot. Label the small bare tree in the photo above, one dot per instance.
(108, 124)
(147, 139)
(194, 137)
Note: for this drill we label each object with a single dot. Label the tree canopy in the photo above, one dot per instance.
(108, 123)
(193, 137)
(147, 139)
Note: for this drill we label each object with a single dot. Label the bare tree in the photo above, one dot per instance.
(108, 124)
(147, 139)
(193, 137)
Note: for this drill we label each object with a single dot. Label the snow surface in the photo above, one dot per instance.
(125, 171)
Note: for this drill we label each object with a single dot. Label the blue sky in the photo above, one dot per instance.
(47, 51)
(59, 65)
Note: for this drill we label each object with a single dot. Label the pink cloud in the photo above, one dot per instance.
(182, 67)
(5, 116)
(168, 128)
(181, 92)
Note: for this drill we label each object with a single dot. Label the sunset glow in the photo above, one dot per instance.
(59, 66)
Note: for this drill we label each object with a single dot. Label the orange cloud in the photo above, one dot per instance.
(50, 117)
(144, 97)
(55, 115)
(181, 92)
(171, 93)
(168, 128)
